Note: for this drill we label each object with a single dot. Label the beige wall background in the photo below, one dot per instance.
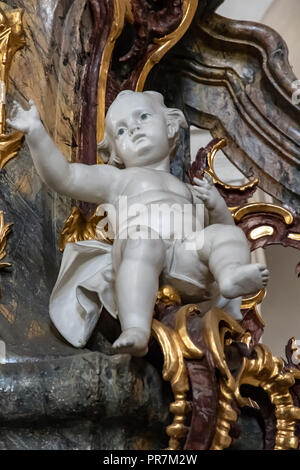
(284, 17)
(281, 307)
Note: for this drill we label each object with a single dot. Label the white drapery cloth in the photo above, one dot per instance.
(83, 287)
(86, 279)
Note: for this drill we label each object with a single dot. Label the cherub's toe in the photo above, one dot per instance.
(122, 344)
(262, 267)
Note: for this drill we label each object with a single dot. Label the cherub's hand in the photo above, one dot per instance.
(207, 192)
(22, 120)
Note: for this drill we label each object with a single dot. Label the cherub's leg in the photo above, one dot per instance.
(137, 283)
(227, 254)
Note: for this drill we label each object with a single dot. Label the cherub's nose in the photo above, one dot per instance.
(134, 126)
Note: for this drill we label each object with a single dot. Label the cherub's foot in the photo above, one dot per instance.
(242, 280)
(132, 341)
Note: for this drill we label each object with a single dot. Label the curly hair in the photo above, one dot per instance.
(173, 116)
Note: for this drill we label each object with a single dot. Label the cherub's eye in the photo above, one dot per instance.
(121, 131)
(144, 116)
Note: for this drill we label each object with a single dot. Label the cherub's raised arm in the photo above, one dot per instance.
(90, 183)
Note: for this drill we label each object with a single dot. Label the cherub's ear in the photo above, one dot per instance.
(175, 120)
(107, 152)
(104, 149)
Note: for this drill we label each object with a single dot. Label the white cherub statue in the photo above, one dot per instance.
(210, 265)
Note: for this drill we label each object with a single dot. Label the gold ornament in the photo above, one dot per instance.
(11, 40)
(77, 228)
(167, 42)
(210, 170)
(177, 346)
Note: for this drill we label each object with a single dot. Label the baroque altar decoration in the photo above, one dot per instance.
(207, 381)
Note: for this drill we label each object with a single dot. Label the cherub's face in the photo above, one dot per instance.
(139, 130)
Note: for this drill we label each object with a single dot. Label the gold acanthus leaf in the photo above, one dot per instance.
(77, 228)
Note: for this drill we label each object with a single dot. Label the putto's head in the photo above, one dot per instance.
(140, 130)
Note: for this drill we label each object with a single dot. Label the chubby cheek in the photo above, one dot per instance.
(122, 146)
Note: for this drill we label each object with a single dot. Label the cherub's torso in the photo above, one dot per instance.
(136, 181)
(141, 191)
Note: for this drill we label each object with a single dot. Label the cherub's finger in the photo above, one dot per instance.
(203, 186)
(17, 105)
(202, 197)
(209, 179)
(15, 110)
(199, 182)
(14, 125)
(199, 189)
(14, 105)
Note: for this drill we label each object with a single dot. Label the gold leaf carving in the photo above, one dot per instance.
(11, 40)
(165, 43)
(259, 207)
(10, 145)
(263, 371)
(262, 231)
(294, 236)
(168, 295)
(176, 346)
(254, 300)
(211, 171)
(78, 228)
(267, 372)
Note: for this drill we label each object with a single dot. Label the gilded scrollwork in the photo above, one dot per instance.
(11, 40)
(258, 368)
(211, 171)
(164, 44)
(217, 326)
(177, 346)
(261, 208)
(78, 228)
(268, 372)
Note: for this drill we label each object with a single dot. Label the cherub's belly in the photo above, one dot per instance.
(170, 219)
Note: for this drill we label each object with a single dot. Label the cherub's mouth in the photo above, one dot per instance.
(137, 137)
